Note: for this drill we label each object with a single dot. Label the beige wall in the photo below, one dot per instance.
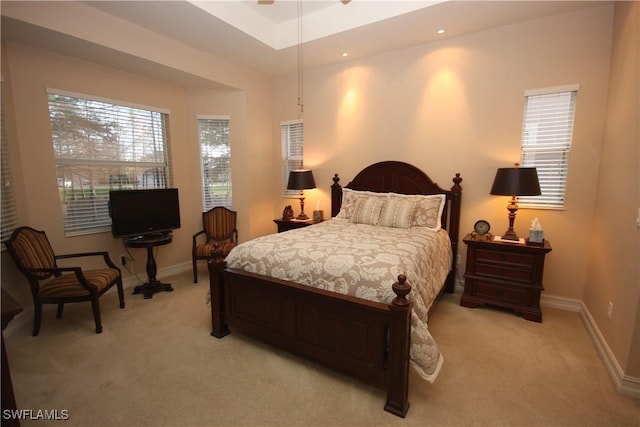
(457, 106)
(614, 260)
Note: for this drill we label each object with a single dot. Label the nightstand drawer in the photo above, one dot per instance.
(524, 275)
(501, 293)
(518, 259)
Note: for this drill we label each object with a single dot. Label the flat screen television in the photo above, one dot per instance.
(144, 212)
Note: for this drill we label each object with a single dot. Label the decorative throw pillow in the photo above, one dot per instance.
(367, 210)
(397, 212)
(428, 209)
(349, 199)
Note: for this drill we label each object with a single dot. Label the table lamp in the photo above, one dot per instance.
(515, 181)
(301, 179)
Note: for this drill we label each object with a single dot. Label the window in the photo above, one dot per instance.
(292, 151)
(546, 142)
(101, 146)
(9, 220)
(215, 153)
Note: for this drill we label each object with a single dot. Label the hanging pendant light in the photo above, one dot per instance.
(300, 62)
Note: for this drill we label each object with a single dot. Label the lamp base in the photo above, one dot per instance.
(510, 235)
(303, 216)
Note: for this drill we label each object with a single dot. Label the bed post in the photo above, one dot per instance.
(219, 326)
(399, 345)
(336, 196)
(454, 231)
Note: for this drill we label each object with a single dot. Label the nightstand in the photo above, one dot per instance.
(294, 223)
(505, 274)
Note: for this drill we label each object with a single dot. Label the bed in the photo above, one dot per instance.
(373, 332)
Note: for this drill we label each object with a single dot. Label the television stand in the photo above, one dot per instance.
(149, 242)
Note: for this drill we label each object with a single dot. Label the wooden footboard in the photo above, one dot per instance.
(363, 339)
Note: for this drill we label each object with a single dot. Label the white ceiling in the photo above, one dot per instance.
(264, 37)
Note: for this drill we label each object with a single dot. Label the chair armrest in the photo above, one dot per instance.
(57, 272)
(195, 237)
(103, 254)
(81, 254)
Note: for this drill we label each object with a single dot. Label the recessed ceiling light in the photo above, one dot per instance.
(345, 54)
(440, 31)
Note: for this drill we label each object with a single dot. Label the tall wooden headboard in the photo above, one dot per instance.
(403, 178)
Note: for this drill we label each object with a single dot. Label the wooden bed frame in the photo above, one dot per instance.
(363, 339)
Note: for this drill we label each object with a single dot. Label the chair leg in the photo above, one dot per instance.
(195, 271)
(37, 317)
(120, 292)
(95, 305)
(60, 309)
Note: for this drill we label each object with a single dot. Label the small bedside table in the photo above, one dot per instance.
(294, 223)
(505, 274)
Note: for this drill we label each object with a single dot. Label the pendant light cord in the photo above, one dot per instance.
(300, 63)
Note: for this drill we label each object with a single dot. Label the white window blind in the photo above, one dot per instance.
(546, 143)
(9, 219)
(101, 146)
(292, 151)
(215, 152)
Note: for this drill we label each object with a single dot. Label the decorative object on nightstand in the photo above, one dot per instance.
(505, 275)
(481, 230)
(535, 233)
(318, 215)
(515, 181)
(301, 179)
(287, 213)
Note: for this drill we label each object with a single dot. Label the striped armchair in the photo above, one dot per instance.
(219, 229)
(50, 284)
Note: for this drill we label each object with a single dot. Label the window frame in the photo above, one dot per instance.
(9, 212)
(292, 138)
(213, 201)
(121, 146)
(552, 110)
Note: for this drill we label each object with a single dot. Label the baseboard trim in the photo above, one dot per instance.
(624, 384)
(561, 303)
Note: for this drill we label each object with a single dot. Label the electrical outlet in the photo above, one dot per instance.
(458, 260)
(610, 310)
(123, 260)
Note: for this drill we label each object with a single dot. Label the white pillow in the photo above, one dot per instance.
(398, 213)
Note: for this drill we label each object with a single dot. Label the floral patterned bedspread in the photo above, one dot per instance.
(363, 261)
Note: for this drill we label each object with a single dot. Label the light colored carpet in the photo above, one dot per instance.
(155, 364)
